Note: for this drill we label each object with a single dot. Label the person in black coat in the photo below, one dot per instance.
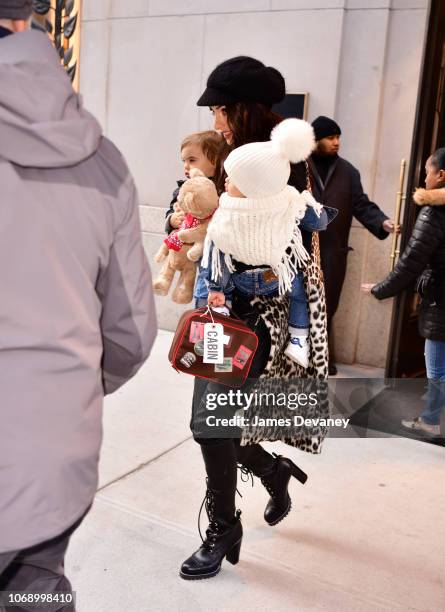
(336, 182)
(424, 259)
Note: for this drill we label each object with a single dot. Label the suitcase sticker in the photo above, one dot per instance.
(242, 357)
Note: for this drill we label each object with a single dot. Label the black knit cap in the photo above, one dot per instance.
(243, 79)
(15, 9)
(323, 127)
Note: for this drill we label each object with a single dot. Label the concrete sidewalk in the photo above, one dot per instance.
(366, 532)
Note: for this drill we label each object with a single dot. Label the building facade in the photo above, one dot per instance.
(144, 64)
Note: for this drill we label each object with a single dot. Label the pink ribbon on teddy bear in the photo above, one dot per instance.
(172, 241)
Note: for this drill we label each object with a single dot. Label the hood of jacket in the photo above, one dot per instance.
(429, 197)
(42, 121)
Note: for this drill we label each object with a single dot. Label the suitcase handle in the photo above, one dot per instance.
(208, 310)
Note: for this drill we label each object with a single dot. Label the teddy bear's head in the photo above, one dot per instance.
(198, 195)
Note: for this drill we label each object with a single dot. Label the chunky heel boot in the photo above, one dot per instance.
(276, 482)
(223, 539)
(224, 534)
(297, 472)
(233, 554)
(275, 472)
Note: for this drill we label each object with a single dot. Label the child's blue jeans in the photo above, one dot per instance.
(201, 292)
(261, 282)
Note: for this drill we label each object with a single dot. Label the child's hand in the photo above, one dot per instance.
(216, 298)
(177, 218)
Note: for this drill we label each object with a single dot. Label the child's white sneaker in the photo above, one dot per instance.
(298, 350)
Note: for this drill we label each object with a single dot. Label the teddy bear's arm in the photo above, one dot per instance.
(193, 234)
(196, 251)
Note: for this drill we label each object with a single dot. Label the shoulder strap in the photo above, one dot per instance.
(315, 250)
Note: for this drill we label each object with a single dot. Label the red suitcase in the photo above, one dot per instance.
(187, 350)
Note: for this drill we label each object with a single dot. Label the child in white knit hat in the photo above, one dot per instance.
(254, 243)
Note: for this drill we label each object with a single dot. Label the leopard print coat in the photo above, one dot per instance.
(283, 373)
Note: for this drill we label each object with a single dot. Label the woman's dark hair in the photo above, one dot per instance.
(438, 159)
(249, 122)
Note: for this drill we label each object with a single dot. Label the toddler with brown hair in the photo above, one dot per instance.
(198, 150)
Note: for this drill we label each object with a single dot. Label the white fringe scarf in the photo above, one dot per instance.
(258, 232)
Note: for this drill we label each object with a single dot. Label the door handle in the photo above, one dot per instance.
(401, 197)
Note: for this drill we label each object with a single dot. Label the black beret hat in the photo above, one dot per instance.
(323, 127)
(15, 9)
(243, 79)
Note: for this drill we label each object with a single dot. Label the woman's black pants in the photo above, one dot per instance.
(221, 454)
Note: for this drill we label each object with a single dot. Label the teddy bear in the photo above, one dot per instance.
(198, 198)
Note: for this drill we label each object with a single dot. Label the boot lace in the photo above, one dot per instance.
(267, 479)
(209, 502)
(214, 528)
(246, 474)
(268, 486)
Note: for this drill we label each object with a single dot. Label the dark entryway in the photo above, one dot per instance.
(405, 351)
(403, 395)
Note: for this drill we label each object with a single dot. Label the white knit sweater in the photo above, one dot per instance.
(262, 231)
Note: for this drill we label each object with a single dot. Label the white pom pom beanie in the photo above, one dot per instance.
(262, 169)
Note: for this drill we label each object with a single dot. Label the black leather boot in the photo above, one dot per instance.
(223, 539)
(276, 481)
(224, 533)
(275, 472)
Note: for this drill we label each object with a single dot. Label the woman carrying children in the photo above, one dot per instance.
(240, 93)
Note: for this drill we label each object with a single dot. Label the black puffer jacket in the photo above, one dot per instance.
(423, 258)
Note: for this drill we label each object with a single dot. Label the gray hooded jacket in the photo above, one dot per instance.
(77, 316)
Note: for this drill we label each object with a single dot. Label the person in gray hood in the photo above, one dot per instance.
(77, 316)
